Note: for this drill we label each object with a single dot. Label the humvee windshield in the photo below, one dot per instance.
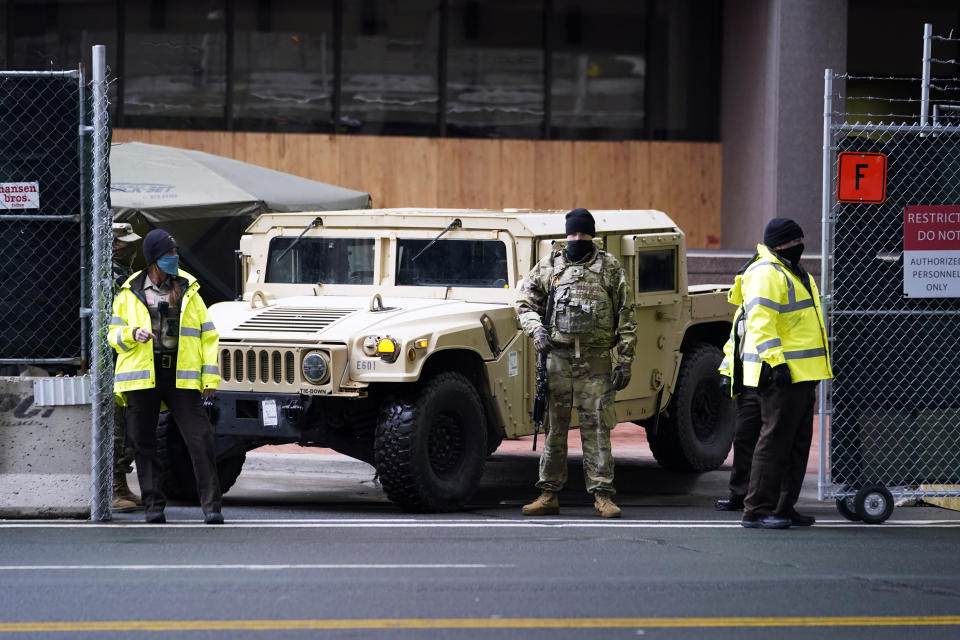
(323, 260)
(452, 263)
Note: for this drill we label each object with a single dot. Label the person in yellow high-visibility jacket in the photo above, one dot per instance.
(746, 430)
(166, 349)
(785, 356)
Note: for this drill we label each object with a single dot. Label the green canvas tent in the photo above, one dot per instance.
(206, 201)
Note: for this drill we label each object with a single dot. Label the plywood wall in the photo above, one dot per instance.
(680, 178)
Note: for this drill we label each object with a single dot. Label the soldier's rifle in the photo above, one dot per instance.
(543, 387)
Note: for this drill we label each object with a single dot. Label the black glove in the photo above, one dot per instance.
(725, 387)
(541, 340)
(781, 375)
(620, 377)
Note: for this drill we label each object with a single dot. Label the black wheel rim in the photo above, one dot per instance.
(705, 411)
(445, 443)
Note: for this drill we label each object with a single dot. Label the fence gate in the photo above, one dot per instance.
(55, 271)
(891, 286)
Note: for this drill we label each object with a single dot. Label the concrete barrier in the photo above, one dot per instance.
(44, 455)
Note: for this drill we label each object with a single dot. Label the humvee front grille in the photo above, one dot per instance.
(258, 365)
(293, 319)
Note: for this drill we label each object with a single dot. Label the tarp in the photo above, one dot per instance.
(206, 201)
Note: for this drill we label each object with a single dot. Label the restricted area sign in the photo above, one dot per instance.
(931, 251)
(862, 177)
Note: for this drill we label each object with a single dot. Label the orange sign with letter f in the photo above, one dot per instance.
(862, 177)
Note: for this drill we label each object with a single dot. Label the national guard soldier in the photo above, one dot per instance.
(591, 322)
(124, 252)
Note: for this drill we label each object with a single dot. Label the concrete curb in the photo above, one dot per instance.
(305, 463)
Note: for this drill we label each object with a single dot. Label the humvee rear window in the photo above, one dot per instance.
(657, 270)
(452, 263)
(321, 260)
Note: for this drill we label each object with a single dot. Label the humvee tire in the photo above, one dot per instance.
(431, 445)
(179, 481)
(696, 430)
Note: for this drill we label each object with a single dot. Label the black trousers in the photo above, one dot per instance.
(780, 458)
(186, 406)
(745, 435)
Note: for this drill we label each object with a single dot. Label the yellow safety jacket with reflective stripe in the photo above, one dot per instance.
(784, 322)
(197, 366)
(734, 350)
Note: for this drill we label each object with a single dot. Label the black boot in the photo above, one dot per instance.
(733, 503)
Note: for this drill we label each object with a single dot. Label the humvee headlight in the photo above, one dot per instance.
(370, 345)
(315, 368)
(388, 349)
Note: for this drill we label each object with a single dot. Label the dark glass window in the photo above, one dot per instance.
(599, 69)
(390, 70)
(685, 70)
(321, 260)
(57, 36)
(283, 65)
(4, 62)
(495, 68)
(657, 270)
(175, 64)
(452, 263)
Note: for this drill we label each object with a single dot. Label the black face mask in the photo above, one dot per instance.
(577, 250)
(124, 256)
(791, 254)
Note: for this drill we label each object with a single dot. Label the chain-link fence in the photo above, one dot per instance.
(40, 219)
(55, 270)
(891, 287)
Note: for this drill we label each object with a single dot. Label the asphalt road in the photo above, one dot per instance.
(312, 546)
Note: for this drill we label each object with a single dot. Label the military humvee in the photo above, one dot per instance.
(390, 336)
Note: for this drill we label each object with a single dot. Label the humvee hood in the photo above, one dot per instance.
(333, 318)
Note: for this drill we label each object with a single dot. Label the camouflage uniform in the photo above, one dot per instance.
(122, 449)
(592, 330)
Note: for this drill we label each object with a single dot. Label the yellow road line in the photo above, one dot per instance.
(477, 623)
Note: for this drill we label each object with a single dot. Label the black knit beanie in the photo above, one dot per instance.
(157, 243)
(580, 221)
(780, 231)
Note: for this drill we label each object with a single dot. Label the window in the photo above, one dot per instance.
(175, 64)
(495, 69)
(390, 67)
(50, 35)
(657, 270)
(528, 69)
(283, 65)
(599, 69)
(685, 80)
(321, 260)
(452, 263)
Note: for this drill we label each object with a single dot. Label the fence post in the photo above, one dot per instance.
(101, 396)
(824, 254)
(925, 82)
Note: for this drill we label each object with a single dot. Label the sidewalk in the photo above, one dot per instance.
(628, 440)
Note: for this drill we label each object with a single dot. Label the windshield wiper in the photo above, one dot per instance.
(453, 225)
(312, 224)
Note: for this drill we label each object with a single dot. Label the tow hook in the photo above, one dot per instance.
(292, 411)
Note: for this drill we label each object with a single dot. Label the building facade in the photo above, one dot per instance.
(708, 109)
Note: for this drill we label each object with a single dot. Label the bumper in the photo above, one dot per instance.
(238, 413)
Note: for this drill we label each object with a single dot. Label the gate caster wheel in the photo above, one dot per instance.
(873, 504)
(847, 509)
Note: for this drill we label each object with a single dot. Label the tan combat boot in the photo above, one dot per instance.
(603, 505)
(124, 500)
(546, 505)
